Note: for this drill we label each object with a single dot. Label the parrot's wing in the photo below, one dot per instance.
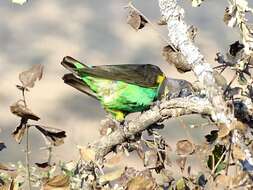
(142, 75)
(77, 83)
(72, 64)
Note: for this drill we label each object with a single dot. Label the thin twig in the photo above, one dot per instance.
(130, 5)
(28, 158)
(228, 159)
(27, 151)
(23, 95)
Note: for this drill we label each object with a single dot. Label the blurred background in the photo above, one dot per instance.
(95, 32)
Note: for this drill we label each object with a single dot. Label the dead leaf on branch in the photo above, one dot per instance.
(223, 180)
(59, 182)
(44, 165)
(176, 58)
(135, 19)
(238, 153)
(150, 158)
(240, 126)
(181, 163)
(220, 80)
(87, 154)
(53, 135)
(19, 132)
(235, 48)
(141, 183)
(185, 147)
(3, 167)
(111, 176)
(29, 77)
(20, 110)
(2, 146)
(223, 131)
(114, 160)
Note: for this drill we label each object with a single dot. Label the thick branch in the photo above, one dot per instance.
(167, 109)
(178, 35)
(173, 14)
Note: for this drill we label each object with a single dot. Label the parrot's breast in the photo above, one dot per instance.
(119, 95)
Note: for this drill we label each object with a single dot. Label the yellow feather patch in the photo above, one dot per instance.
(118, 115)
(160, 79)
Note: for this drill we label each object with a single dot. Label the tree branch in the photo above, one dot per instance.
(167, 109)
(178, 35)
(173, 14)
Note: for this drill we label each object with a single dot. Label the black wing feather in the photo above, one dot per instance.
(143, 75)
(78, 84)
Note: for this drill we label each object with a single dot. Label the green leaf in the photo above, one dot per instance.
(216, 154)
(180, 184)
(20, 2)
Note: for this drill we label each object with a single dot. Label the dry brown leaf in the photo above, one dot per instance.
(2, 145)
(59, 182)
(176, 58)
(19, 132)
(181, 163)
(240, 126)
(111, 176)
(185, 147)
(53, 135)
(150, 158)
(220, 80)
(223, 131)
(239, 178)
(28, 78)
(22, 111)
(141, 183)
(44, 165)
(87, 154)
(6, 168)
(136, 20)
(238, 153)
(114, 160)
(223, 180)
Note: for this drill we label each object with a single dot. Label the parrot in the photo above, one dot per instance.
(122, 89)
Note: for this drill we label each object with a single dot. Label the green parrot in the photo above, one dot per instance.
(121, 89)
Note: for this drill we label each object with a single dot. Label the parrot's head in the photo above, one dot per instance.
(174, 88)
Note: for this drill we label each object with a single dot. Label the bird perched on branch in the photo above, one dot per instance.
(122, 89)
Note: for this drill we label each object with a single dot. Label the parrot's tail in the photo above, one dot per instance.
(78, 84)
(72, 64)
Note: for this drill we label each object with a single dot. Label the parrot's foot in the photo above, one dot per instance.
(108, 125)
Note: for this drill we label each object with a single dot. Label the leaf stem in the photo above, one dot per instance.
(28, 158)
(24, 99)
